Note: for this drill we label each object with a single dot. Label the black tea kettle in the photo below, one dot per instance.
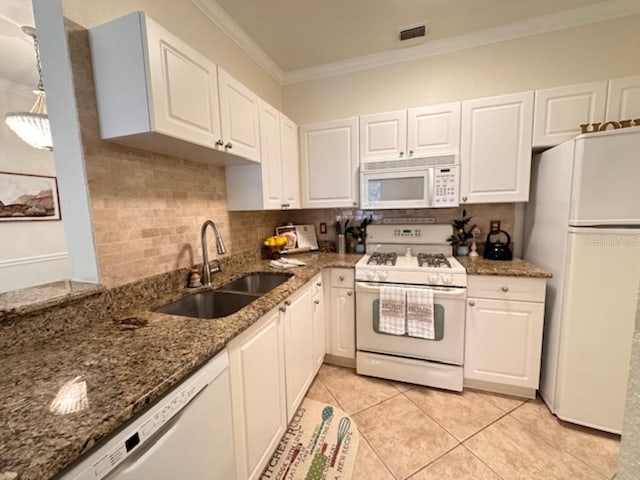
(497, 250)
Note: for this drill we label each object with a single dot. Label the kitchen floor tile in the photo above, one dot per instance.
(403, 436)
(317, 391)
(512, 450)
(506, 403)
(356, 392)
(368, 465)
(458, 464)
(324, 368)
(597, 449)
(460, 413)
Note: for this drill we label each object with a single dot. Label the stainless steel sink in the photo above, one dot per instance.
(209, 304)
(256, 283)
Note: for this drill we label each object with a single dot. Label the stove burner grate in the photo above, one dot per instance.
(379, 258)
(437, 260)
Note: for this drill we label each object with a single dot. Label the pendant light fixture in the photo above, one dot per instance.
(33, 126)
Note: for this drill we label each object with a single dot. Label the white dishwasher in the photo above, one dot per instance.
(188, 434)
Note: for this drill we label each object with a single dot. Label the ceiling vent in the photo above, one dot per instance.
(413, 32)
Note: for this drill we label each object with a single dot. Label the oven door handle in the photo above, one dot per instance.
(440, 291)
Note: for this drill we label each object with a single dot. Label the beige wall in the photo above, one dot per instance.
(186, 21)
(593, 52)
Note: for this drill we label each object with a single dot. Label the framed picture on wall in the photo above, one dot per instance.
(28, 197)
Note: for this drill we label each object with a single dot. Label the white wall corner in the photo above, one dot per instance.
(574, 17)
(224, 22)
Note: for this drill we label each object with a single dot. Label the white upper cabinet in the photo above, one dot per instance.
(623, 99)
(416, 132)
(239, 113)
(154, 91)
(329, 164)
(495, 153)
(290, 163)
(383, 136)
(274, 183)
(560, 111)
(434, 130)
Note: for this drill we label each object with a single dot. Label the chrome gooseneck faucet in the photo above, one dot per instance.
(206, 268)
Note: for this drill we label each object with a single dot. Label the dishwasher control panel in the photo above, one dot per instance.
(100, 463)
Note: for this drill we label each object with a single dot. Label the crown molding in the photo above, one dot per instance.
(547, 23)
(224, 22)
(16, 88)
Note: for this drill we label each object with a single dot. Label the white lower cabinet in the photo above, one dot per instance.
(297, 320)
(256, 366)
(341, 318)
(503, 337)
(319, 346)
(272, 365)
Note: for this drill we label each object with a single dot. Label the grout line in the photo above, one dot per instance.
(364, 438)
(481, 461)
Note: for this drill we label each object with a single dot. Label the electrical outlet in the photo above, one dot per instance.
(323, 227)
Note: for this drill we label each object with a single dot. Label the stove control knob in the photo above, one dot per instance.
(382, 276)
(433, 278)
(370, 275)
(447, 279)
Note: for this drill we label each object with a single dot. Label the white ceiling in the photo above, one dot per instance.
(17, 61)
(298, 34)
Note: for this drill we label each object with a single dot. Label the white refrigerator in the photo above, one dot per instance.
(582, 224)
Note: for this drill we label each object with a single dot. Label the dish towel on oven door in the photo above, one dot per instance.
(393, 304)
(420, 313)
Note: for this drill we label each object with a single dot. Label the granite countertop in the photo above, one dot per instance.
(124, 364)
(508, 268)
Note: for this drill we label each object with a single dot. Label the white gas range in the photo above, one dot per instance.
(412, 257)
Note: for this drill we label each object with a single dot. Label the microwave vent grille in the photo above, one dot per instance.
(411, 163)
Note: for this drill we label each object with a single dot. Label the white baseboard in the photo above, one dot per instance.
(26, 272)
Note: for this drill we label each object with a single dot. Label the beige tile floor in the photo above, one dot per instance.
(420, 433)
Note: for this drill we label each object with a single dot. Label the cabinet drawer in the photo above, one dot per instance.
(342, 277)
(506, 288)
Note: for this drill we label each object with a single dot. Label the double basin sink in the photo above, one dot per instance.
(227, 299)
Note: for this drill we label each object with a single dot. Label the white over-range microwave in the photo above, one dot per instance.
(429, 182)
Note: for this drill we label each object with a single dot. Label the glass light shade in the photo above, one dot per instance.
(32, 127)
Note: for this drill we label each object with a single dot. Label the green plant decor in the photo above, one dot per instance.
(461, 230)
(359, 232)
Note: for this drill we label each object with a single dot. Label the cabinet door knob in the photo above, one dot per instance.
(472, 303)
(410, 152)
(317, 302)
(464, 199)
(355, 204)
(287, 302)
(341, 278)
(228, 146)
(402, 154)
(285, 205)
(283, 309)
(319, 284)
(349, 293)
(505, 289)
(219, 143)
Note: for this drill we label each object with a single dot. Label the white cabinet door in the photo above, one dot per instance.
(560, 111)
(256, 367)
(239, 117)
(329, 162)
(319, 348)
(495, 156)
(434, 130)
(298, 337)
(342, 323)
(383, 136)
(503, 341)
(290, 163)
(623, 99)
(183, 89)
(271, 158)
